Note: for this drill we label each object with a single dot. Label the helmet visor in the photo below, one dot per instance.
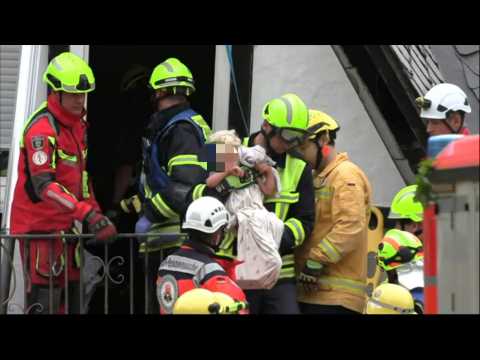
(291, 136)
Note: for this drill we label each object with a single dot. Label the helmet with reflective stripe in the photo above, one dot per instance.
(287, 111)
(172, 74)
(136, 76)
(319, 121)
(404, 205)
(207, 215)
(397, 248)
(441, 99)
(70, 73)
(390, 299)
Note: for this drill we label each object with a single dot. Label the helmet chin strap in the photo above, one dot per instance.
(450, 127)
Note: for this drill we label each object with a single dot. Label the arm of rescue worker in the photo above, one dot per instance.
(267, 181)
(349, 212)
(40, 150)
(299, 224)
(184, 171)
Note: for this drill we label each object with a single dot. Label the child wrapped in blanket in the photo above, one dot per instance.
(251, 175)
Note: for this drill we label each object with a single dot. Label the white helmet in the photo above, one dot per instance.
(206, 214)
(441, 99)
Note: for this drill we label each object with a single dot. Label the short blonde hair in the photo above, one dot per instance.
(227, 137)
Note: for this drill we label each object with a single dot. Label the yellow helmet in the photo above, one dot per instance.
(390, 299)
(319, 121)
(202, 301)
(195, 301)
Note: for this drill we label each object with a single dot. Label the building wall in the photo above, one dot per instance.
(314, 73)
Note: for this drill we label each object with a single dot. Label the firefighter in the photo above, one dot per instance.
(284, 127)
(390, 299)
(400, 253)
(171, 144)
(195, 264)
(53, 189)
(331, 264)
(443, 108)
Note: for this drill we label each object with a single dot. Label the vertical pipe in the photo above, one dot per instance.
(107, 275)
(430, 259)
(147, 292)
(132, 283)
(50, 274)
(82, 280)
(65, 254)
(26, 272)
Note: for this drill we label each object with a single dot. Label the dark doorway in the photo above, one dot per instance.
(111, 120)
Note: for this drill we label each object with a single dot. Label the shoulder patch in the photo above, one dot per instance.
(38, 142)
(167, 293)
(39, 158)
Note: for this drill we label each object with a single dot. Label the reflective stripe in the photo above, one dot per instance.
(185, 160)
(202, 123)
(245, 141)
(158, 230)
(391, 307)
(287, 272)
(198, 191)
(168, 66)
(330, 250)
(297, 229)
(66, 157)
(86, 192)
(91, 86)
(287, 103)
(53, 142)
(289, 198)
(353, 286)
(84, 153)
(54, 196)
(181, 264)
(162, 207)
(205, 271)
(226, 246)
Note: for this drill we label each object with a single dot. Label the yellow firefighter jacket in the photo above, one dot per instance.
(339, 238)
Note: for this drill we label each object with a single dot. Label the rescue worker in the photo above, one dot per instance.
(400, 253)
(195, 264)
(284, 127)
(53, 189)
(443, 108)
(390, 299)
(173, 138)
(332, 263)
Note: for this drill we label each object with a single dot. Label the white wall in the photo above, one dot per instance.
(315, 74)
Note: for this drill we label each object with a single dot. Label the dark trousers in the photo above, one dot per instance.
(39, 300)
(281, 299)
(314, 309)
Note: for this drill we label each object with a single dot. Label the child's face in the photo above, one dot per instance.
(226, 157)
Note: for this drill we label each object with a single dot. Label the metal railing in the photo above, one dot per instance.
(62, 291)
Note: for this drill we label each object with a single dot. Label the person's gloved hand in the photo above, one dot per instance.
(131, 205)
(142, 226)
(310, 274)
(101, 226)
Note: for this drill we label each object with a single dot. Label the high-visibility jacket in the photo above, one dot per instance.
(294, 206)
(53, 188)
(171, 168)
(339, 238)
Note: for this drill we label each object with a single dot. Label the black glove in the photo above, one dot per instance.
(310, 275)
